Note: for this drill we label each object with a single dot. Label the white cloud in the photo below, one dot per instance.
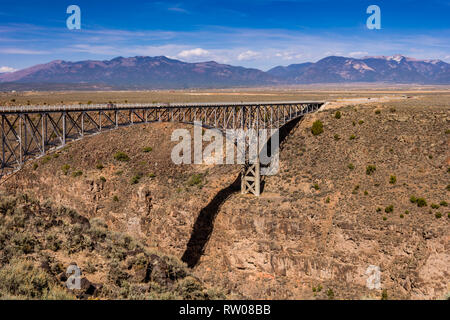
(248, 55)
(358, 54)
(193, 53)
(21, 51)
(7, 69)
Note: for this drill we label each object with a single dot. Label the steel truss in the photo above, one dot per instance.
(29, 132)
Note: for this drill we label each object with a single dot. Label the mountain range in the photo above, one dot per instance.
(165, 73)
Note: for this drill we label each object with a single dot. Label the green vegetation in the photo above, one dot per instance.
(406, 211)
(35, 166)
(338, 115)
(100, 166)
(443, 203)
(361, 122)
(317, 128)
(435, 206)
(377, 111)
(65, 169)
(351, 166)
(151, 175)
(330, 293)
(384, 295)
(447, 131)
(147, 149)
(402, 216)
(116, 199)
(77, 173)
(121, 156)
(196, 180)
(393, 180)
(421, 202)
(336, 137)
(102, 179)
(46, 159)
(370, 169)
(438, 215)
(136, 179)
(352, 137)
(316, 186)
(384, 218)
(389, 209)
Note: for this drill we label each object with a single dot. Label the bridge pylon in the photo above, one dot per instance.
(251, 178)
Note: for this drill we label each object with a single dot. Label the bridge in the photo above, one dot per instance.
(29, 132)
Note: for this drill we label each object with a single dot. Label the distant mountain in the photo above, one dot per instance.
(164, 73)
(395, 69)
(141, 72)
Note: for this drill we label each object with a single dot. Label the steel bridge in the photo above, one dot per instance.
(29, 132)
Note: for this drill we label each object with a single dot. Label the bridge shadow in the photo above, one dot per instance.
(204, 224)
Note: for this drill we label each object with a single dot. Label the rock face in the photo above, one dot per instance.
(315, 231)
(320, 224)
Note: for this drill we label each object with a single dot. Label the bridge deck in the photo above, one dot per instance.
(128, 106)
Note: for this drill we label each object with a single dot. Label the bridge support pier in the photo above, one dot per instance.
(251, 178)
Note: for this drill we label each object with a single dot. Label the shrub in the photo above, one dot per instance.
(103, 179)
(152, 175)
(46, 159)
(448, 187)
(100, 166)
(444, 203)
(136, 179)
(121, 156)
(384, 218)
(351, 166)
(22, 280)
(438, 215)
(116, 199)
(389, 209)
(435, 206)
(370, 170)
(361, 122)
(352, 137)
(338, 115)
(377, 111)
(447, 131)
(77, 173)
(317, 128)
(327, 200)
(195, 180)
(413, 199)
(336, 137)
(384, 295)
(402, 216)
(421, 202)
(65, 169)
(35, 166)
(379, 209)
(316, 186)
(406, 212)
(147, 149)
(330, 294)
(392, 179)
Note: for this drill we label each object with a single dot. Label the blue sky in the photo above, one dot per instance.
(254, 33)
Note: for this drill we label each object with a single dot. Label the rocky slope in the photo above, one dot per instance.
(341, 202)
